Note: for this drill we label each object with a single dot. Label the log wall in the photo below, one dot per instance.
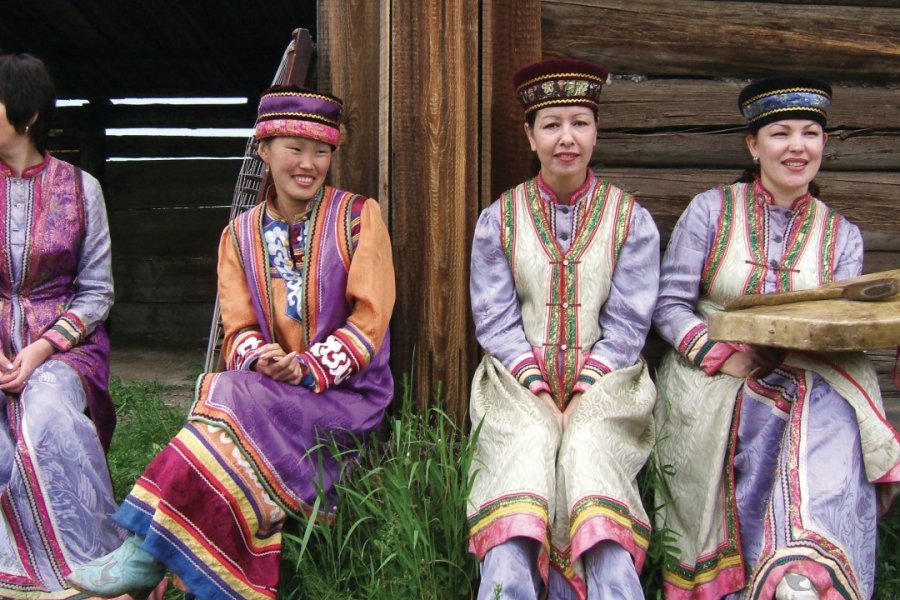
(670, 127)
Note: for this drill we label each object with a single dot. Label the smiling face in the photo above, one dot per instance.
(564, 138)
(298, 167)
(790, 154)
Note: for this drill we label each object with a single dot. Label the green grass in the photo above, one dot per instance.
(400, 531)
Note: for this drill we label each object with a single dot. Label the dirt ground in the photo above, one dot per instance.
(176, 368)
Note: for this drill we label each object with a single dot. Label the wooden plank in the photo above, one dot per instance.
(845, 150)
(866, 198)
(180, 278)
(641, 102)
(169, 183)
(725, 39)
(434, 122)
(511, 38)
(176, 324)
(349, 67)
(167, 232)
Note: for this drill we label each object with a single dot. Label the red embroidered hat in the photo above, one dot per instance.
(298, 112)
(560, 82)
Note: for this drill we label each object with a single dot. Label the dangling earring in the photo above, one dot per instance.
(27, 129)
(756, 160)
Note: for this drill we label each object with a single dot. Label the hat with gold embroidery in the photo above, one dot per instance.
(560, 82)
(784, 97)
(297, 112)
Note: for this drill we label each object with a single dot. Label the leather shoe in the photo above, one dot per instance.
(126, 570)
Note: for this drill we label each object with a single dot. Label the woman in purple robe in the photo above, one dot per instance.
(57, 419)
(563, 285)
(306, 286)
(778, 458)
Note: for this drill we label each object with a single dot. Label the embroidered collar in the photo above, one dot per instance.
(30, 171)
(766, 197)
(273, 213)
(550, 196)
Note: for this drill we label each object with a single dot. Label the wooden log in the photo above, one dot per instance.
(643, 103)
(866, 198)
(156, 184)
(180, 278)
(175, 324)
(350, 68)
(434, 192)
(845, 150)
(725, 39)
(167, 232)
(511, 38)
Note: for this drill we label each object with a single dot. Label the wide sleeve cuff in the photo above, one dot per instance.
(591, 372)
(66, 333)
(703, 352)
(246, 346)
(528, 373)
(345, 352)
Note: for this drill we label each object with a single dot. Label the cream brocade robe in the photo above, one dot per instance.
(568, 490)
(695, 410)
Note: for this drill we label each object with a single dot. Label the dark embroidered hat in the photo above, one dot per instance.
(298, 112)
(560, 82)
(784, 97)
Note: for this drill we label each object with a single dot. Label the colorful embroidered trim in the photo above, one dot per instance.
(340, 355)
(66, 332)
(789, 99)
(591, 372)
(528, 373)
(245, 349)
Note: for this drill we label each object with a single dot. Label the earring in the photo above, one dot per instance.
(755, 160)
(27, 129)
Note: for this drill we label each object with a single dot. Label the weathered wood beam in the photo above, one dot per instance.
(726, 39)
(511, 38)
(434, 189)
(350, 68)
(647, 103)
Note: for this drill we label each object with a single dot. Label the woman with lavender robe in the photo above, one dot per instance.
(776, 456)
(306, 285)
(56, 290)
(563, 284)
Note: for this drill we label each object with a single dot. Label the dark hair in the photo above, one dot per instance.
(27, 92)
(751, 174)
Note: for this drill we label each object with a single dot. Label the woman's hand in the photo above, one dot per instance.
(741, 364)
(30, 358)
(570, 410)
(547, 399)
(277, 365)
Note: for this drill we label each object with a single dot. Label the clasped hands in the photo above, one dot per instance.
(564, 417)
(274, 363)
(15, 373)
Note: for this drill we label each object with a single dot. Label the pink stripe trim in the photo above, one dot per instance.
(600, 528)
(727, 581)
(505, 528)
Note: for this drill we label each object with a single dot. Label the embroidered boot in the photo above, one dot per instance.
(795, 587)
(126, 570)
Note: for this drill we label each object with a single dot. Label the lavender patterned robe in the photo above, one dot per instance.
(56, 283)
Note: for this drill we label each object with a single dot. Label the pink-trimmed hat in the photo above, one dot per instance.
(297, 112)
(560, 82)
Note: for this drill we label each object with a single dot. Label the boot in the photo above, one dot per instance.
(126, 570)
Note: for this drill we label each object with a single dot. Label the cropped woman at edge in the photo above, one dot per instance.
(776, 457)
(56, 290)
(563, 285)
(306, 285)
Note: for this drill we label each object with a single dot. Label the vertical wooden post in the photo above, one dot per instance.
(448, 140)
(348, 50)
(511, 38)
(435, 188)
